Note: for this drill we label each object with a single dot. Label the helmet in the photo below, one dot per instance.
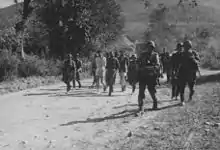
(134, 55)
(70, 55)
(180, 44)
(151, 43)
(188, 43)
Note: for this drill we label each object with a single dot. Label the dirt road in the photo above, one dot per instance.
(46, 118)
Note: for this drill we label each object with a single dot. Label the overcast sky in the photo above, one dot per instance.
(5, 3)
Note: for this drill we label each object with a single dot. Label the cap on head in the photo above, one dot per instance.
(151, 43)
(187, 43)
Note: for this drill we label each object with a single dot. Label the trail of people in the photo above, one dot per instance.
(46, 118)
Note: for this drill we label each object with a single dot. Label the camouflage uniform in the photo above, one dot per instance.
(133, 72)
(78, 70)
(111, 68)
(175, 64)
(123, 61)
(147, 76)
(188, 68)
(69, 71)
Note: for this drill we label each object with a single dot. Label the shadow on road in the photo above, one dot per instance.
(123, 114)
(208, 78)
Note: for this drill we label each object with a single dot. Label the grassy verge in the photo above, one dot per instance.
(195, 126)
(20, 84)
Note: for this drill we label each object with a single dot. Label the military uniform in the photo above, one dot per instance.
(123, 61)
(132, 73)
(175, 64)
(147, 76)
(94, 70)
(69, 71)
(78, 71)
(111, 66)
(187, 72)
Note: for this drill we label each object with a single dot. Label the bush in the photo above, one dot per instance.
(12, 66)
(210, 58)
(8, 65)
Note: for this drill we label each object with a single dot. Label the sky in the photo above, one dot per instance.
(5, 3)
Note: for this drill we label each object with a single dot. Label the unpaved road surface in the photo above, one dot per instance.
(46, 118)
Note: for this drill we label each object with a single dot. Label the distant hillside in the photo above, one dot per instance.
(137, 16)
(8, 16)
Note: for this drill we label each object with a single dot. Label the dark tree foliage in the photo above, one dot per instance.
(74, 24)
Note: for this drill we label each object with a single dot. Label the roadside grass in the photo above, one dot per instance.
(19, 84)
(195, 126)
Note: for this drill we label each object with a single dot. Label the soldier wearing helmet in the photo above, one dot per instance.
(189, 65)
(175, 64)
(111, 68)
(69, 71)
(132, 73)
(78, 70)
(149, 64)
(123, 61)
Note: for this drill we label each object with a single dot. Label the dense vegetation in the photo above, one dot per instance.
(46, 31)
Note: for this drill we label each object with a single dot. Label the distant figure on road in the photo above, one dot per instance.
(112, 66)
(78, 70)
(100, 70)
(133, 72)
(93, 70)
(175, 65)
(123, 61)
(69, 71)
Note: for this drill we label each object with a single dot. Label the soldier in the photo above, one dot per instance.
(123, 61)
(94, 70)
(78, 70)
(187, 71)
(149, 64)
(100, 70)
(175, 64)
(112, 66)
(69, 71)
(116, 55)
(133, 72)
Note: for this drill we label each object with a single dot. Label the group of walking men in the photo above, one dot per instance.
(184, 64)
(105, 68)
(145, 70)
(71, 71)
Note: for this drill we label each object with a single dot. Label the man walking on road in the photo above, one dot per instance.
(175, 65)
(78, 71)
(149, 64)
(112, 67)
(189, 65)
(69, 71)
(123, 61)
(93, 70)
(100, 70)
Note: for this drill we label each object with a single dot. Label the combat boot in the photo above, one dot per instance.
(191, 95)
(155, 104)
(182, 100)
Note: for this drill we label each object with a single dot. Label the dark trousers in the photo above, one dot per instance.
(150, 82)
(187, 78)
(77, 79)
